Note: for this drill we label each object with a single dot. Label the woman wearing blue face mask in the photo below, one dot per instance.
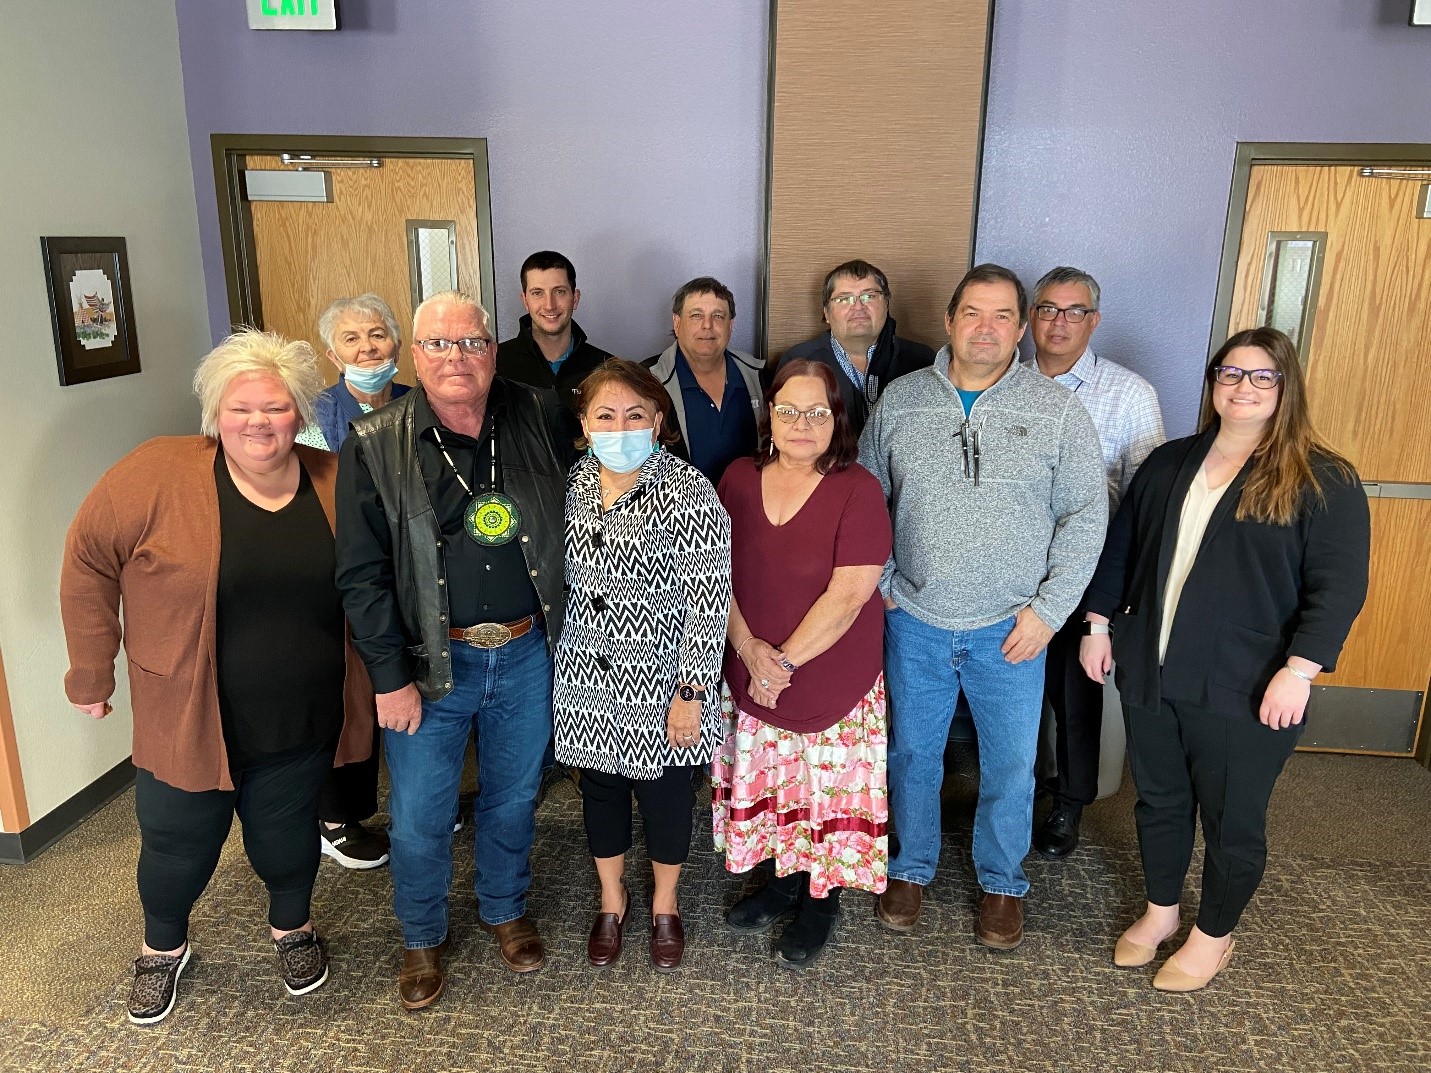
(637, 696)
(363, 341)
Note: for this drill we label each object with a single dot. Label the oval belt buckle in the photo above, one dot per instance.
(487, 635)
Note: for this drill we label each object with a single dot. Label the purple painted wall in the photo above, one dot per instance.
(627, 134)
(1110, 138)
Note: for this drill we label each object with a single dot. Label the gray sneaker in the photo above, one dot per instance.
(156, 986)
(303, 960)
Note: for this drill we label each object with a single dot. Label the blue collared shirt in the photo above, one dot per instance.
(716, 437)
(842, 356)
(570, 346)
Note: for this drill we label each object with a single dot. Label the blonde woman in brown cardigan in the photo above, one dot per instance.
(212, 558)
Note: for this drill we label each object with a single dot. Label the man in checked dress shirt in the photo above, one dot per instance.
(1124, 408)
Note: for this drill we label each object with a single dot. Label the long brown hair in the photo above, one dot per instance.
(1282, 472)
(844, 447)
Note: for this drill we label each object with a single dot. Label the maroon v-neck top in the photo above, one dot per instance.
(779, 571)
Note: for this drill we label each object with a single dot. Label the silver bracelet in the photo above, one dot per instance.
(1303, 675)
(743, 644)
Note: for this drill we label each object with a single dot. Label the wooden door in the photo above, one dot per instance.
(1368, 363)
(309, 253)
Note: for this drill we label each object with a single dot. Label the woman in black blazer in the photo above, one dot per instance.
(1232, 573)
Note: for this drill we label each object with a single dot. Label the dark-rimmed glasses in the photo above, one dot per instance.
(789, 415)
(1231, 375)
(1073, 314)
(472, 346)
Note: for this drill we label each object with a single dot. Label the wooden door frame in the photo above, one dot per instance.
(236, 218)
(1249, 154)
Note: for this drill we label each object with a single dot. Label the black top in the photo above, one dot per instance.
(521, 359)
(1256, 594)
(893, 357)
(279, 624)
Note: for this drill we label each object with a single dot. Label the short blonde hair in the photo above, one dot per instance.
(461, 299)
(292, 362)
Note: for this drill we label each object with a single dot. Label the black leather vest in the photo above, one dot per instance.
(531, 474)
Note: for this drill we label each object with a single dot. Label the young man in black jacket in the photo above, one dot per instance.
(861, 346)
(550, 351)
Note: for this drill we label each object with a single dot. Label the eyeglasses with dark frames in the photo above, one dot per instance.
(1073, 314)
(472, 346)
(789, 415)
(1230, 375)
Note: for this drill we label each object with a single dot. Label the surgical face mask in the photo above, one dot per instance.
(621, 452)
(370, 379)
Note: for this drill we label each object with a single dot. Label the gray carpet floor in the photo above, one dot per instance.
(1332, 970)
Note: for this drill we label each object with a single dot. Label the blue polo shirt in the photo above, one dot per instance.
(716, 437)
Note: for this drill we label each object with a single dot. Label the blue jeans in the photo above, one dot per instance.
(926, 668)
(505, 695)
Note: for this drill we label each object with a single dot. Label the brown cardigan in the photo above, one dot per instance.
(146, 539)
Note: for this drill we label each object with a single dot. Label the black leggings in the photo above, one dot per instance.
(183, 832)
(1189, 763)
(665, 804)
(350, 792)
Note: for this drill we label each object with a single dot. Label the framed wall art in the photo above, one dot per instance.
(90, 308)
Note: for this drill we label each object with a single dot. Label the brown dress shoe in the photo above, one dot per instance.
(898, 907)
(668, 942)
(519, 943)
(421, 981)
(1001, 921)
(603, 945)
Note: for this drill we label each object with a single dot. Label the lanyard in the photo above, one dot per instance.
(437, 435)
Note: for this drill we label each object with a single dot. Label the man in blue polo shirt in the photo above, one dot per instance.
(715, 391)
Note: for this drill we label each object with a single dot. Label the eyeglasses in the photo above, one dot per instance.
(864, 298)
(788, 414)
(472, 346)
(1228, 375)
(1073, 314)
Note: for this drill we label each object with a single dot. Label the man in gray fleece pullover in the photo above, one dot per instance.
(995, 482)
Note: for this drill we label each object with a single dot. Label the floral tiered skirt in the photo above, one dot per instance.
(816, 803)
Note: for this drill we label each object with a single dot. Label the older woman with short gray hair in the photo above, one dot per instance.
(363, 341)
(244, 692)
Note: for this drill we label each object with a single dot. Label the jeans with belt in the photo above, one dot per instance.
(504, 695)
(926, 668)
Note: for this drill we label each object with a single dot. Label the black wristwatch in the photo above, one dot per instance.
(692, 693)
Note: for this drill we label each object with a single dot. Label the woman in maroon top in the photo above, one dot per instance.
(800, 779)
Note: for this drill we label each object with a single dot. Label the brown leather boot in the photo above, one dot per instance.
(898, 907)
(421, 981)
(1001, 921)
(519, 944)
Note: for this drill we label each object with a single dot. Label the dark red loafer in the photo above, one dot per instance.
(668, 942)
(603, 945)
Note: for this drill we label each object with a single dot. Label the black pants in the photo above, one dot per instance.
(1189, 762)
(666, 804)
(1077, 703)
(350, 792)
(183, 832)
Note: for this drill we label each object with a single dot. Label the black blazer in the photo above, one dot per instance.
(1256, 594)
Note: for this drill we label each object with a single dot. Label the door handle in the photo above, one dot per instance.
(1396, 490)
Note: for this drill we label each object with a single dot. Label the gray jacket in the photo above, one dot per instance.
(663, 367)
(969, 553)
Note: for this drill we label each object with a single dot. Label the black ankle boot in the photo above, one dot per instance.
(804, 940)
(756, 912)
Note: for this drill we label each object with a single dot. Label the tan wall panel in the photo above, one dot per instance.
(309, 253)
(874, 154)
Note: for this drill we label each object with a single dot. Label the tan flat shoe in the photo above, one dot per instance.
(1172, 977)
(1130, 955)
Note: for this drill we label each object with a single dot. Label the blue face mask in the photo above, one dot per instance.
(621, 452)
(370, 380)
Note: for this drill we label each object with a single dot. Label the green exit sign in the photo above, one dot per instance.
(292, 14)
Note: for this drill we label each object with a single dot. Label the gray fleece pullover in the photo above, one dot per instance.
(1028, 532)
